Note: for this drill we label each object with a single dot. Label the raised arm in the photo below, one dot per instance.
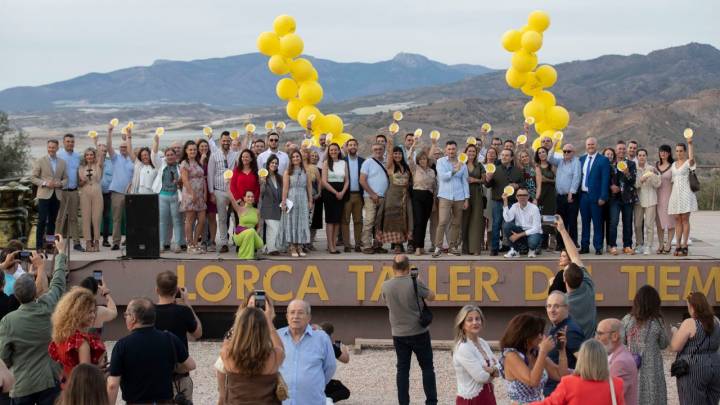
(131, 152)
(691, 154)
(570, 247)
(111, 150)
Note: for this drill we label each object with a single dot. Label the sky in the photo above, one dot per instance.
(44, 41)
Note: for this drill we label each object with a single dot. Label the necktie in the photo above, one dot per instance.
(587, 171)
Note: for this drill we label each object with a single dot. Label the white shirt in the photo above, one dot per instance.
(336, 174)
(527, 218)
(283, 160)
(469, 372)
(586, 170)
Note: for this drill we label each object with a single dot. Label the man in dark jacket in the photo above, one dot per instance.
(506, 174)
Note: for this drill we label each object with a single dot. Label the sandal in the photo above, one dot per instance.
(684, 251)
(294, 252)
(678, 252)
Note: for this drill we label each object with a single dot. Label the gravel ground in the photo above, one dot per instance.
(370, 376)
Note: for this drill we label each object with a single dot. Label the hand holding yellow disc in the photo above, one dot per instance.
(418, 133)
(508, 191)
(92, 134)
(471, 140)
(227, 174)
(398, 115)
(394, 128)
(114, 122)
(234, 134)
(250, 128)
(280, 125)
(622, 166)
(207, 131)
(435, 134)
(486, 127)
(522, 139)
(490, 168)
(269, 125)
(530, 120)
(688, 133)
(463, 158)
(262, 173)
(159, 131)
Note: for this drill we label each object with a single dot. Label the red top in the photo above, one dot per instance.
(67, 352)
(573, 390)
(241, 183)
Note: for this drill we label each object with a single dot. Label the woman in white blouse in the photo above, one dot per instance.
(144, 174)
(474, 362)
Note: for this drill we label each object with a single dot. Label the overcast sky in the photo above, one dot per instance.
(43, 41)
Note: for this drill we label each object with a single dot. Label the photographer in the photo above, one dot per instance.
(335, 389)
(175, 315)
(404, 295)
(14, 261)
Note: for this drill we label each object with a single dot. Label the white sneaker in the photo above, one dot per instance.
(437, 252)
(639, 249)
(531, 254)
(646, 250)
(512, 253)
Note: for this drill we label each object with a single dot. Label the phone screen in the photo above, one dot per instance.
(97, 275)
(50, 238)
(260, 299)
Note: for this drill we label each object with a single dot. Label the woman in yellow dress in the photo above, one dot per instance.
(245, 235)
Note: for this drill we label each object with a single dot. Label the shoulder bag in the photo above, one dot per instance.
(612, 391)
(426, 317)
(694, 182)
(681, 366)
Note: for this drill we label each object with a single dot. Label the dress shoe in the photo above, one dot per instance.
(115, 247)
(584, 251)
(598, 252)
(224, 249)
(106, 243)
(493, 253)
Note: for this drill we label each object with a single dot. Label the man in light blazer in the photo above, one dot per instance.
(49, 174)
(594, 193)
(621, 361)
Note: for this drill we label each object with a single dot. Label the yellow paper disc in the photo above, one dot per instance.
(227, 174)
(522, 139)
(262, 172)
(250, 128)
(688, 133)
(418, 133)
(508, 191)
(234, 134)
(280, 125)
(207, 131)
(463, 158)
(530, 120)
(92, 134)
(394, 128)
(490, 168)
(328, 138)
(471, 140)
(486, 127)
(269, 125)
(159, 131)
(125, 130)
(307, 143)
(131, 125)
(398, 115)
(622, 165)
(558, 136)
(114, 122)
(311, 117)
(435, 134)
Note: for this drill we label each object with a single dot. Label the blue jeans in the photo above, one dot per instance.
(169, 212)
(44, 397)
(618, 207)
(497, 223)
(405, 346)
(590, 211)
(531, 242)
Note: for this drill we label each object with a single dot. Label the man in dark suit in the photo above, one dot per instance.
(353, 205)
(50, 176)
(594, 189)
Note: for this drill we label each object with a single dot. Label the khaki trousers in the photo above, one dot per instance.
(369, 211)
(449, 216)
(91, 207)
(644, 216)
(117, 201)
(67, 219)
(353, 206)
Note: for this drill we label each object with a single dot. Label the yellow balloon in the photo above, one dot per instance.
(514, 78)
(534, 109)
(546, 98)
(293, 108)
(305, 112)
(524, 61)
(532, 85)
(511, 40)
(531, 41)
(541, 127)
(291, 45)
(310, 92)
(558, 117)
(333, 124)
(313, 75)
(539, 20)
(342, 138)
(547, 75)
(549, 134)
(318, 124)
(286, 88)
(278, 65)
(268, 43)
(284, 24)
(537, 143)
(301, 70)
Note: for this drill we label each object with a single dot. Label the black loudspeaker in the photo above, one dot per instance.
(142, 227)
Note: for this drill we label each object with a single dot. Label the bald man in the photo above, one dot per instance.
(622, 362)
(594, 191)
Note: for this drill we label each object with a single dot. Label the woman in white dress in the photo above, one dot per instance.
(682, 200)
(473, 360)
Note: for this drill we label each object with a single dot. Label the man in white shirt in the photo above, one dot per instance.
(523, 224)
(221, 159)
(274, 149)
(374, 180)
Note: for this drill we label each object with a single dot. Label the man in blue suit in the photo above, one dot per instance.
(594, 190)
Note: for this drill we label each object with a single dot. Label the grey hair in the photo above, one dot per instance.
(306, 305)
(561, 294)
(25, 289)
(143, 310)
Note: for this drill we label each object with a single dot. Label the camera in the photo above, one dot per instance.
(24, 255)
(97, 275)
(414, 271)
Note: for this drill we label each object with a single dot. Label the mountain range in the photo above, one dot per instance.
(232, 82)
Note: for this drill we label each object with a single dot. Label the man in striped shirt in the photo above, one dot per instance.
(221, 159)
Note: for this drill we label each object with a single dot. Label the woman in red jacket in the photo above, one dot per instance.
(245, 176)
(590, 384)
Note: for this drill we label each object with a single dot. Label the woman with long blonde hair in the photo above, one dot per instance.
(474, 362)
(71, 343)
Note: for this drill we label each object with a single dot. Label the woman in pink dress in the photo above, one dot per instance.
(665, 222)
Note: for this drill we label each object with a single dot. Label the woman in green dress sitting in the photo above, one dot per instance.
(245, 235)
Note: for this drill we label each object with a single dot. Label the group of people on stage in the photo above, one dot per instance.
(497, 196)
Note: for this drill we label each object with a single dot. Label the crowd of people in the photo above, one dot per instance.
(487, 195)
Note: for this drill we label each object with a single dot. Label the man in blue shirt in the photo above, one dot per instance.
(558, 313)
(374, 180)
(309, 357)
(353, 206)
(123, 168)
(67, 219)
(567, 182)
(453, 198)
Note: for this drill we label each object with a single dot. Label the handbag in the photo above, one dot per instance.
(426, 317)
(681, 366)
(694, 182)
(638, 357)
(281, 390)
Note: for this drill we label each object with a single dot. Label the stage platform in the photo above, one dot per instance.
(345, 288)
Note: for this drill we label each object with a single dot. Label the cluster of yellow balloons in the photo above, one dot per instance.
(301, 90)
(533, 80)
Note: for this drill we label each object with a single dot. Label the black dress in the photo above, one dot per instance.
(333, 206)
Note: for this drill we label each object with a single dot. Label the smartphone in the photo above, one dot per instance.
(97, 275)
(260, 299)
(50, 238)
(24, 255)
(414, 270)
(548, 219)
(178, 294)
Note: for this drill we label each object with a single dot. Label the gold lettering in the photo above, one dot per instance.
(456, 283)
(598, 295)
(312, 273)
(530, 293)
(360, 279)
(267, 283)
(486, 285)
(694, 282)
(432, 284)
(225, 286)
(246, 284)
(181, 281)
(665, 282)
(632, 272)
(650, 280)
(386, 274)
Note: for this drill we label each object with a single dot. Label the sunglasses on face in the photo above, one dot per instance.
(273, 140)
(521, 195)
(567, 151)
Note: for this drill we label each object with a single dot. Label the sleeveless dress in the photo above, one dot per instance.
(67, 353)
(393, 221)
(516, 390)
(547, 201)
(682, 199)
(648, 341)
(250, 390)
(665, 220)
(702, 384)
(333, 206)
(295, 224)
(196, 178)
(245, 237)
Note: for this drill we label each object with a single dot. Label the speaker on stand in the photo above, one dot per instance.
(142, 226)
